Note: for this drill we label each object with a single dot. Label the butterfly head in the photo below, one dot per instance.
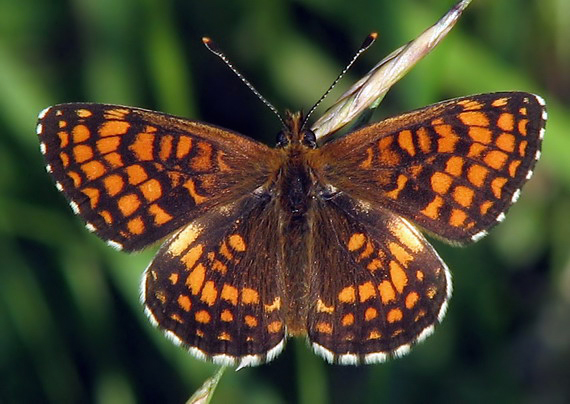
(294, 133)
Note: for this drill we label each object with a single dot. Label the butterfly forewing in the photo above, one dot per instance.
(381, 288)
(135, 175)
(453, 168)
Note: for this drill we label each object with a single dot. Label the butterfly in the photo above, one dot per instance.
(303, 239)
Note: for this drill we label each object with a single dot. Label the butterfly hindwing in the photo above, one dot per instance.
(135, 175)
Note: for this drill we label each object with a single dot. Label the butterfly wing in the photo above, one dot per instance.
(453, 168)
(135, 176)
(209, 287)
(381, 286)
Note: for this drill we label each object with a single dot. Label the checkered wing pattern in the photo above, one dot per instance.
(381, 289)
(213, 287)
(135, 176)
(453, 168)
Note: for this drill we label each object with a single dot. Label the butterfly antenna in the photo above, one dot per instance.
(216, 51)
(365, 45)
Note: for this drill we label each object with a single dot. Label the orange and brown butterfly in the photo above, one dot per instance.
(301, 239)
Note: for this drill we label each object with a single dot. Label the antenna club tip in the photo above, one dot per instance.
(206, 40)
(373, 35)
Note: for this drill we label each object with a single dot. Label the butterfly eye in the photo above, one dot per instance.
(282, 140)
(309, 139)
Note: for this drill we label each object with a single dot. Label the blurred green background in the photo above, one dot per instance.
(71, 324)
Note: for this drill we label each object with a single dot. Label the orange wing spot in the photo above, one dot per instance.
(366, 291)
(160, 296)
(173, 278)
(230, 294)
(370, 314)
(192, 256)
(401, 183)
(431, 292)
(471, 104)
(143, 146)
(63, 138)
(177, 318)
(225, 251)
(61, 124)
(385, 154)
(522, 111)
(203, 160)
(226, 316)
(522, 148)
(325, 328)
(136, 174)
(93, 170)
(107, 217)
(94, 195)
(400, 253)
(500, 102)
(476, 149)
(183, 146)
(114, 128)
(473, 118)
(485, 206)
(387, 292)
(347, 295)
(64, 159)
(83, 113)
(496, 159)
(184, 302)
(477, 174)
(116, 113)
(424, 140)
(160, 215)
(151, 190)
(406, 142)
(274, 327)
(136, 225)
(184, 239)
(196, 279)
(276, 305)
(191, 187)
(222, 165)
(114, 159)
(165, 147)
(128, 204)
(506, 142)
(416, 170)
(457, 217)
(347, 319)
(200, 333)
(481, 135)
(80, 133)
(513, 167)
(220, 267)
(356, 241)
(394, 315)
(250, 321)
(323, 308)
(497, 186)
(249, 296)
(374, 334)
(411, 300)
(463, 195)
(224, 336)
(367, 251)
(374, 265)
(108, 144)
(209, 293)
(405, 235)
(432, 209)
(522, 126)
(448, 138)
(367, 163)
(113, 184)
(419, 276)
(237, 243)
(506, 122)
(440, 182)
(454, 166)
(398, 276)
(203, 317)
